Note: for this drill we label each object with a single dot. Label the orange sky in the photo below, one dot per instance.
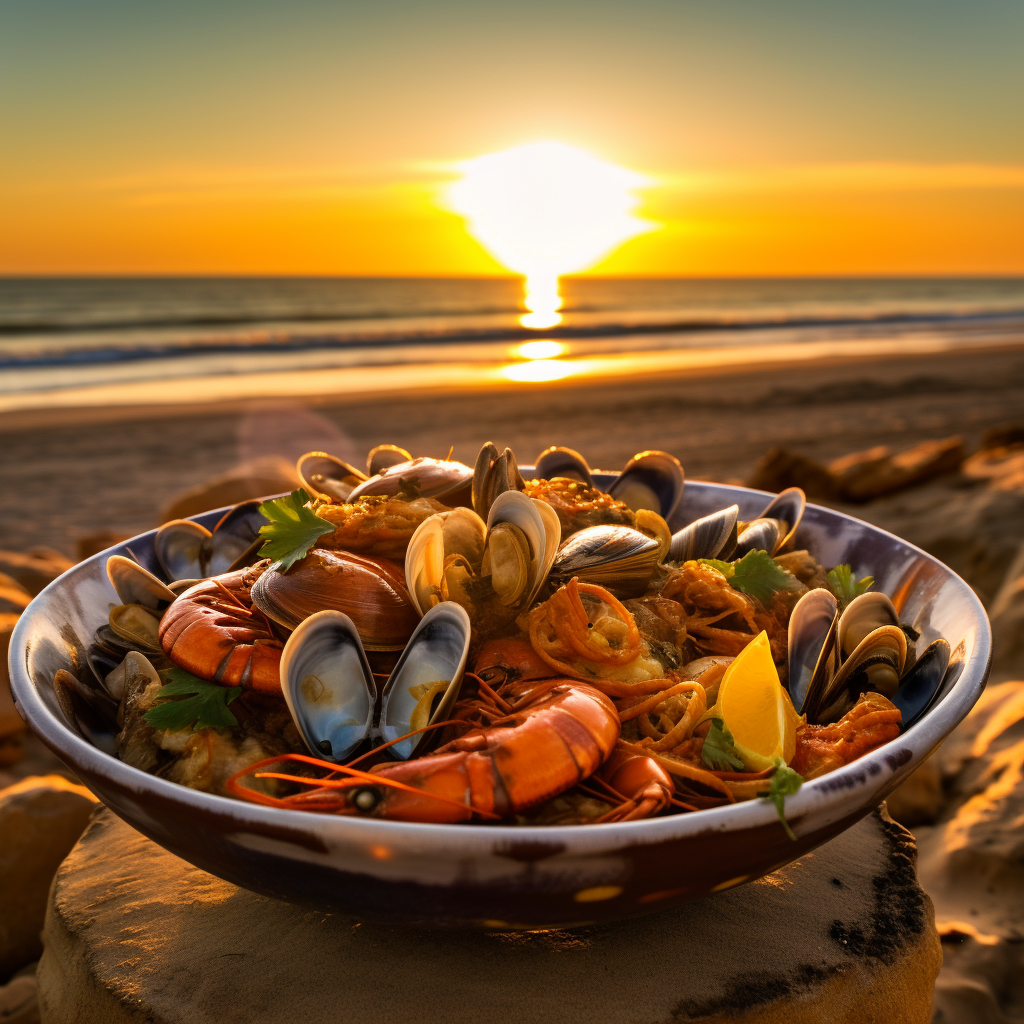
(320, 139)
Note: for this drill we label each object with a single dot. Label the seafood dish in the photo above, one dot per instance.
(423, 640)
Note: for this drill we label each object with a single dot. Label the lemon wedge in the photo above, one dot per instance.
(756, 709)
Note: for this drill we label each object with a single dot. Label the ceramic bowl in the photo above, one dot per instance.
(485, 876)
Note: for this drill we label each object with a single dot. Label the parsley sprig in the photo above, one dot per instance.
(785, 782)
(719, 751)
(756, 574)
(846, 586)
(292, 529)
(205, 705)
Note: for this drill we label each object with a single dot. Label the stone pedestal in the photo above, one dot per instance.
(134, 934)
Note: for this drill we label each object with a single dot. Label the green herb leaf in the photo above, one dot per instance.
(785, 782)
(719, 751)
(756, 574)
(205, 704)
(846, 586)
(292, 529)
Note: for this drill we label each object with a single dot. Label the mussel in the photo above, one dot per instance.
(652, 480)
(711, 536)
(372, 591)
(328, 477)
(774, 528)
(494, 474)
(330, 692)
(384, 456)
(188, 551)
(617, 557)
(555, 461)
(834, 658)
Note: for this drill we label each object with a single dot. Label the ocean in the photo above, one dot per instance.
(99, 340)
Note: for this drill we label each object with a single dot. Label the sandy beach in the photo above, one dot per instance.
(69, 473)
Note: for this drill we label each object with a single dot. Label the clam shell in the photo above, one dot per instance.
(863, 615)
(652, 480)
(788, 508)
(328, 684)
(616, 557)
(920, 685)
(565, 462)
(436, 654)
(425, 478)
(124, 677)
(460, 531)
(179, 549)
(371, 591)
(383, 456)
(812, 646)
(759, 535)
(137, 626)
(528, 515)
(712, 536)
(328, 477)
(136, 585)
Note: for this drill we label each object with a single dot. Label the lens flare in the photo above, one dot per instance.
(544, 210)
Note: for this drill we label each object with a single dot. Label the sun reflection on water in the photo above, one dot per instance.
(539, 370)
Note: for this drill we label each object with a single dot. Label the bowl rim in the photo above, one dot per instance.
(814, 795)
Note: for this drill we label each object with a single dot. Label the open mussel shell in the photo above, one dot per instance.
(328, 477)
(371, 591)
(92, 720)
(179, 549)
(426, 681)
(235, 538)
(652, 480)
(812, 646)
(759, 535)
(563, 462)
(136, 585)
(787, 507)
(328, 684)
(920, 686)
(616, 557)
(861, 617)
(446, 480)
(384, 456)
(136, 627)
(712, 536)
(538, 524)
(876, 665)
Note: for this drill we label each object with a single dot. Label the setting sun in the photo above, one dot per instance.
(544, 210)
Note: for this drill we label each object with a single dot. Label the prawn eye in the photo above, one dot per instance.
(366, 799)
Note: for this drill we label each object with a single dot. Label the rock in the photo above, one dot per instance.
(875, 472)
(919, 799)
(1007, 617)
(41, 818)
(1003, 436)
(13, 600)
(253, 480)
(843, 935)
(1001, 468)
(19, 1001)
(94, 543)
(35, 569)
(780, 468)
(972, 863)
(10, 721)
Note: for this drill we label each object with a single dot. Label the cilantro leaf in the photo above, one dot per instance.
(719, 751)
(785, 782)
(756, 574)
(846, 586)
(292, 529)
(205, 704)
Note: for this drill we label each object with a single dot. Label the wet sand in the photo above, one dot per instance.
(68, 473)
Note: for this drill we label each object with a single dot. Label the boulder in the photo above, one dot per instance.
(919, 799)
(255, 479)
(19, 1000)
(1003, 436)
(41, 818)
(10, 721)
(34, 569)
(780, 468)
(862, 476)
(134, 934)
(93, 543)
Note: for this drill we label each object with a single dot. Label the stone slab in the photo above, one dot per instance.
(133, 934)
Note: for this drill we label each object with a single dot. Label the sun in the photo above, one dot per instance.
(544, 210)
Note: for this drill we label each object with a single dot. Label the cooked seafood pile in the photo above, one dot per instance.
(426, 641)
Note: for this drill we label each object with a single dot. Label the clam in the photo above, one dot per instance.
(537, 522)
(494, 474)
(136, 585)
(136, 626)
(652, 480)
(444, 479)
(328, 684)
(447, 540)
(371, 591)
(426, 681)
(617, 557)
(712, 536)
(186, 550)
(834, 658)
(328, 477)
(383, 456)
(126, 675)
(565, 462)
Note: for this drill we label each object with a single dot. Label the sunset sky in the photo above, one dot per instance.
(877, 137)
